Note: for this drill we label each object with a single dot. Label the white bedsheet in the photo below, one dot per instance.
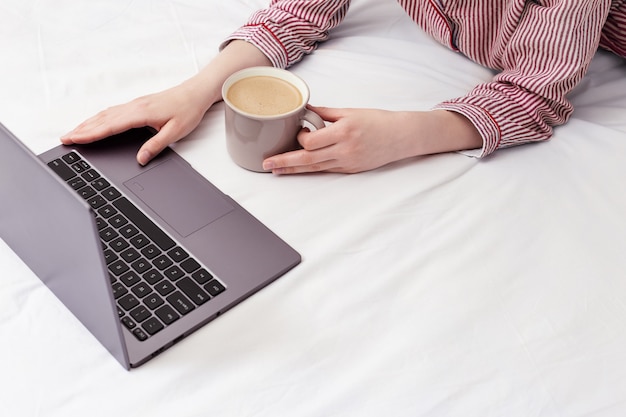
(437, 286)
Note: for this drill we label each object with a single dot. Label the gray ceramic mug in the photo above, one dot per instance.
(254, 134)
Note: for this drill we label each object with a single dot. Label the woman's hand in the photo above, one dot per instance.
(174, 113)
(364, 139)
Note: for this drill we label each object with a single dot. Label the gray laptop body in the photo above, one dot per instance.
(55, 232)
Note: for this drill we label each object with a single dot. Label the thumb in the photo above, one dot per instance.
(153, 146)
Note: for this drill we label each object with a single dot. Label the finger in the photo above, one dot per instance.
(300, 161)
(325, 166)
(106, 123)
(313, 140)
(88, 131)
(155, 145)
(320, 138)
(329, 114)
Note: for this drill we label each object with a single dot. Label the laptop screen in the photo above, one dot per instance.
(53, 232)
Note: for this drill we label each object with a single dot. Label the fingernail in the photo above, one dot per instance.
(143, 157)
(268, 165)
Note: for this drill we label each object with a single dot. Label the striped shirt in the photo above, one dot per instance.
(541, 50)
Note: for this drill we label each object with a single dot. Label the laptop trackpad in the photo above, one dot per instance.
(183, 198)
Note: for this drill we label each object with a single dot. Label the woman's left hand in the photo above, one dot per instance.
(356, 140)
(359, 140)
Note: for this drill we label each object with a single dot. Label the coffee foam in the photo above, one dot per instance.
(264, 95)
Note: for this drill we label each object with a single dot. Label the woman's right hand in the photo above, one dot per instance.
(174, 113)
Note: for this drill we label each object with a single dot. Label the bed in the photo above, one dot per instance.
(436, 286)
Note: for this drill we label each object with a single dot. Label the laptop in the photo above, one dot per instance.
(142, 256)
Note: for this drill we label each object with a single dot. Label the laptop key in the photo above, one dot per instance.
(174, 273)
(96, 202)
(61, 169)
(110, 256)
(164, 287)
(118, 267)
(202, 276)
(141, 290)
(153, 301)
(130, 278)
(100, 223)
(80, 166)
(150, 251)
(141, 265)
(100, 184)
(152, 325)
(108, 234)
(214, 287)
(140, 313)
(118, 290)
(130, 255)
(117, 221)
(76, 183)
(162, 262)
(139, 241)
(90, 175)
(140, 334)
(71, 158)
(128, 301)
(193, 291)
(111, 194)
(106, 211)
(118, 244)
(153, 276)
(177, 254)
(86, 192)
(180, 302)
(129, 231)
(128, 322)
(167, 314)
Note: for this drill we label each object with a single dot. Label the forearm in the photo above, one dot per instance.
(436, 131)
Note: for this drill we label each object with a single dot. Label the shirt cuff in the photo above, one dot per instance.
(264, 39)
(483, 122)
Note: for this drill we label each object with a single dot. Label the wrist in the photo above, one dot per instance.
(206, 85)
(204, 91)
(439, 131)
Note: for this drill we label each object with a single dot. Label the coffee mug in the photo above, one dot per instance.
(265, 109)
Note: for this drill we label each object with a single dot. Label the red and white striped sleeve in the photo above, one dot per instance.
(541, 48)
(614, 31)
(289, 29)
(548, 48)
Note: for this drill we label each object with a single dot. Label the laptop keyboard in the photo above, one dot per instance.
(155, 281)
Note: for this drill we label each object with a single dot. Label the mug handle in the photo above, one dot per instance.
(313, 119)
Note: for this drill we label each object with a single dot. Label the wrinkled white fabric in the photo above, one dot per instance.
(438, 286)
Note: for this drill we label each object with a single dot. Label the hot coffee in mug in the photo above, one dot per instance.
(264, 95)
(265, 110)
